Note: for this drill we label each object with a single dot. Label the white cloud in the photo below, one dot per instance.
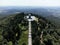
(29, 2)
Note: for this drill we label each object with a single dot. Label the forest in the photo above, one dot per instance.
(14, 29)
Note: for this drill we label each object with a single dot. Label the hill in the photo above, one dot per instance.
(14, 29)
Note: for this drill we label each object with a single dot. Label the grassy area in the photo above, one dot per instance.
(10, 43)
(24, 38)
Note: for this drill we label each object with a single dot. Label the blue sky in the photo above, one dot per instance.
(29, 2)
